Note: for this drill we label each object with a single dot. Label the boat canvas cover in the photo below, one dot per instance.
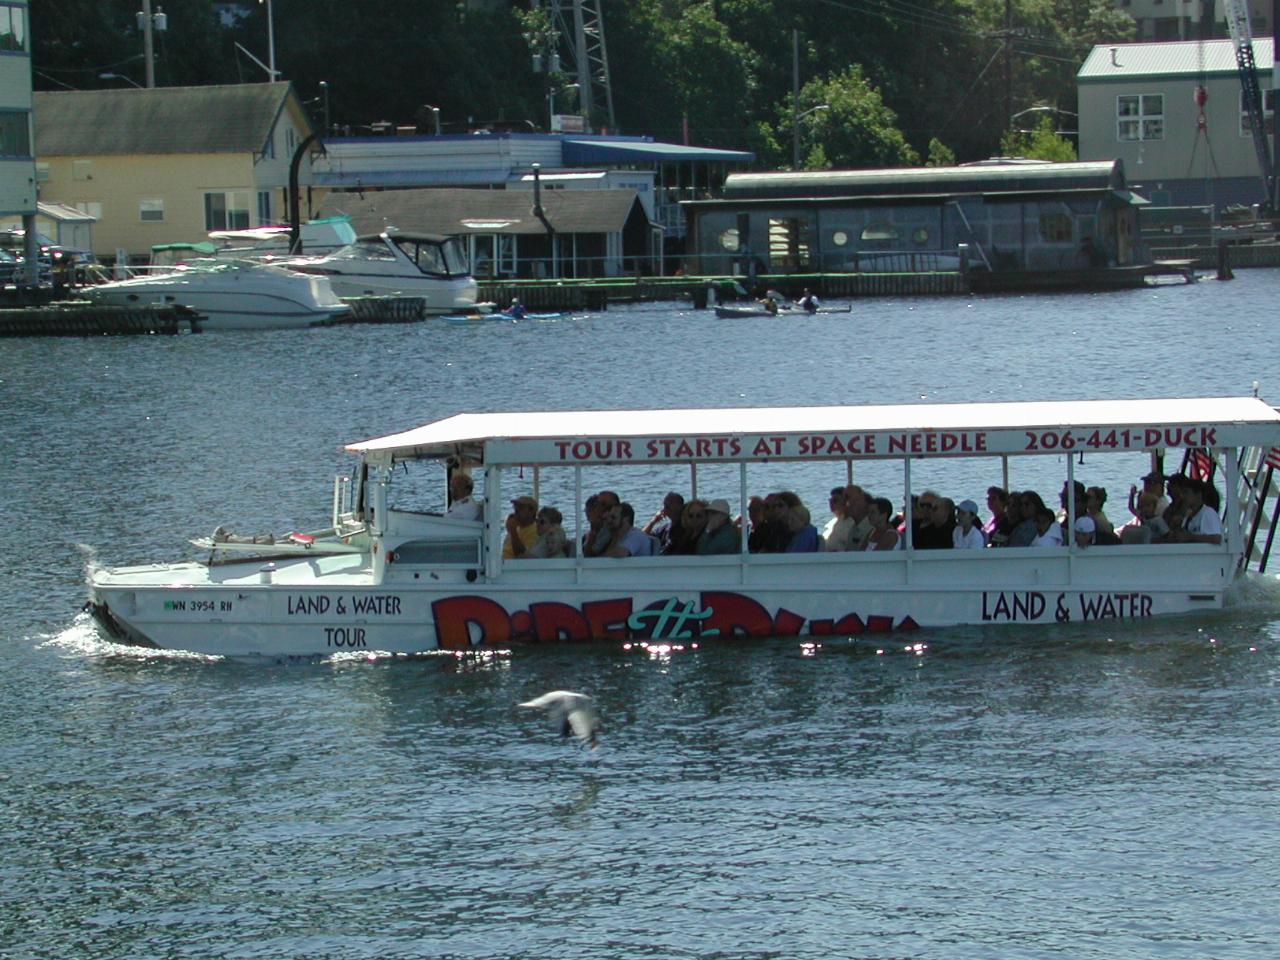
(780, 433)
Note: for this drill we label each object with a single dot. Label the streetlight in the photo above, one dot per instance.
(324, 88)
(271, 42)
(120, 76)
(795, 132)
(1042, 109)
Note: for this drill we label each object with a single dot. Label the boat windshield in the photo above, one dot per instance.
(363, 250)
(456, 256)
(433, 257)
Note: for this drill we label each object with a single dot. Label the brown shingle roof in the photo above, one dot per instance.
(459, 211)
(211, 119)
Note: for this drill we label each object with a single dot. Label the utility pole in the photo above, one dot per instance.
(148, 44)
(1008, 59)
(795, 99)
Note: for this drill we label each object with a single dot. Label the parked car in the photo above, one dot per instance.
(58, 264)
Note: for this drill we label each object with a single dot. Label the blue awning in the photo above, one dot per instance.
(643, 151)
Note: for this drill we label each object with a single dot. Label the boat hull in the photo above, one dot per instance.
(233, 299)
(326, 605)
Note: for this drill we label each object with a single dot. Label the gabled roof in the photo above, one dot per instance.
(1170, 58)
(210, 119)
(461, 211)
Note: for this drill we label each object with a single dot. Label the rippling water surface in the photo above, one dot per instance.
(1084, 791)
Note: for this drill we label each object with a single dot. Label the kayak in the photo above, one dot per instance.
(507, 317)
(755, 310)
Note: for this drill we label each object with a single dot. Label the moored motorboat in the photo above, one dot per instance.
(388, 577)
(431, 267)
(231, 295)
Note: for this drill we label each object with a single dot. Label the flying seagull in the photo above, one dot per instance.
(570, 712)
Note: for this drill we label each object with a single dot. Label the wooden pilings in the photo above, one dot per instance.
(82, 319)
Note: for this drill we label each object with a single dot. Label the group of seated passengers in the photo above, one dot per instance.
(781, 523)
(1188, 514)
(703, 528)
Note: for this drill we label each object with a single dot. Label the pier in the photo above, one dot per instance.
(73, 318)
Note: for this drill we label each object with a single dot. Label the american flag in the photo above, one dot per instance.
(1201, 464)
(1273, 458)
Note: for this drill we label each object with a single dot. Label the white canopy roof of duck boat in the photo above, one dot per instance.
(833, 433)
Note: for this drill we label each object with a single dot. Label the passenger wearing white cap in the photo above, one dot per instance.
(1085, 531)
(719, 535)
(968, 534)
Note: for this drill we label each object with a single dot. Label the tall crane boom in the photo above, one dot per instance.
(1237, 12)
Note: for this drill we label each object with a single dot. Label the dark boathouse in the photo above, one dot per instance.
(1026, 222)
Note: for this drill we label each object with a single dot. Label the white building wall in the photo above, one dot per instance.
(421, 161)
(17, 173)
(1184, 151)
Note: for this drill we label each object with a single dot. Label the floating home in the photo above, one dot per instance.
(1005, 223)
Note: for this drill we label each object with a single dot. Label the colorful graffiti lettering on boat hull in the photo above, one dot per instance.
(466, 621)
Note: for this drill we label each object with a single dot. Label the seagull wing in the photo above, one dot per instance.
(570, 713)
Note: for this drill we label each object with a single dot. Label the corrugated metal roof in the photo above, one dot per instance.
(133, 122)
(905, 181)
(633, 151)
(460, 211)
(1169, 58)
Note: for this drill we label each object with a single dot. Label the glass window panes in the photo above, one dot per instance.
(1140, 117)
(13, 28)
(15, 136)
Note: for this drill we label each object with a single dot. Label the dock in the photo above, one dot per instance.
(79, 318)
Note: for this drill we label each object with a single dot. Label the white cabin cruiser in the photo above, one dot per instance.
(231, 295)
(394, 264)
(386, 578)
(317, 237)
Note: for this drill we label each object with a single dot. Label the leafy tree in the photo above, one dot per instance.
(1042, 143)
(940, 155)
(857, 129)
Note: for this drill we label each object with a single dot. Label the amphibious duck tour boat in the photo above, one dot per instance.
(383, 577)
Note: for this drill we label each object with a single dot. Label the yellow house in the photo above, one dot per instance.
(169, 164)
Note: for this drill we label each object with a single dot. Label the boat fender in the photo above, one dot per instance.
(472, 576)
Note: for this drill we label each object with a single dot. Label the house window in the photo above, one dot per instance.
(878, 231)
(226, 210)
(729, 239)
(269, 148)
(1268, 114)
(264, 206)
(15, 133)
(1140, 116)
(13, 29)
(840, 238)
(92, 207)
(788, 242)
(290, 140)
(151, 210)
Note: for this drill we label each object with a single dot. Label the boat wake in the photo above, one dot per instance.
(81, 638)
(1255, 591)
